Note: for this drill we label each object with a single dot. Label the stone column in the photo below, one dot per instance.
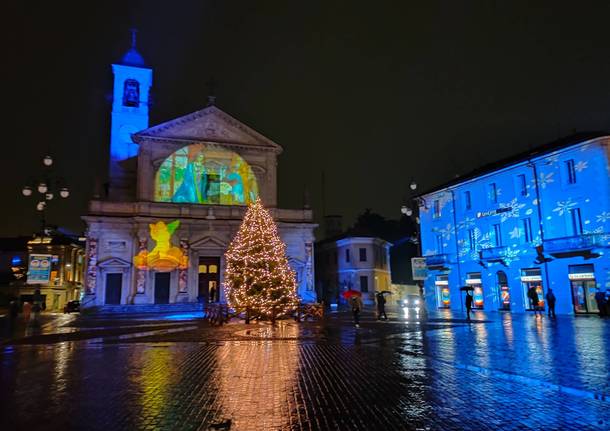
(183, 269)
(141, 272)
(91, 283)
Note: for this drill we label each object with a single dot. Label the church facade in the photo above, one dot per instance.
(176, 196)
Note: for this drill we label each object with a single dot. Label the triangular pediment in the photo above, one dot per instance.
(207, 125)
(208, 242)
(114, 262)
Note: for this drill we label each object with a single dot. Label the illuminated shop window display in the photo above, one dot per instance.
(532, 278)
(442, 289)
(503, 290)
(202, 174)
(474, 281)
(584, 288)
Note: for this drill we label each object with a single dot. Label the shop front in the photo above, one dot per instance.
(583, 287)
(442, 291)
(532, 278)
(473, 280)
(503, 292)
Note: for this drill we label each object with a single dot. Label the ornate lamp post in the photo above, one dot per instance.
(45, 189)
(411, 209)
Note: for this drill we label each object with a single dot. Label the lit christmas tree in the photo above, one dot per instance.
(258, 279)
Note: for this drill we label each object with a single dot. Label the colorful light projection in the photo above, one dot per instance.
(201, 174)
(164, 257)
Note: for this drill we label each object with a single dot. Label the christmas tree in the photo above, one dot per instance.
(258, 279)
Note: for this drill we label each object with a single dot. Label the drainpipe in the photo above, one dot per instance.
(457, 248)
(540, 222)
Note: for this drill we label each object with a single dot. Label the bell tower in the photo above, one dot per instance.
(130, 101)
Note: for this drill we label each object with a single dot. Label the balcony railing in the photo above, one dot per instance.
(493, 254)
(437, 260)
(577, 243)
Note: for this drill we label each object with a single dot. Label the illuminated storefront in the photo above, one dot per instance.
(442, 291)
(473, 280)
(503, 291)
(532, 278)
(584, 288)
(541, 220)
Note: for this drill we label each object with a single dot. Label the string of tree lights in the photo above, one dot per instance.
(258, 279)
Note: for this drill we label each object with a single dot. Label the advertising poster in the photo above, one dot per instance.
(39, 268)
(419, 268)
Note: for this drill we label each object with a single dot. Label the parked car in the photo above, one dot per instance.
(72, 306)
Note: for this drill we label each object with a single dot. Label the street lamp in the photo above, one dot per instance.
(48, 187)
(412, 211)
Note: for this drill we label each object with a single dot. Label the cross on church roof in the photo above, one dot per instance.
(133, 37)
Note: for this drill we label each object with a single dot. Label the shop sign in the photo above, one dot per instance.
(528, 278)
(494, 212)
(473, 281)
(39, 268)
(442, 282)
(582, 276)
(419, 270)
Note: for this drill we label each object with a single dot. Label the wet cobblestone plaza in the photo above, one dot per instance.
(502, 372)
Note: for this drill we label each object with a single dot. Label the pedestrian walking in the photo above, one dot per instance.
(600, 298)
(381, 307)
(550, 300)
(469, 301)
(27, 311)
(535, 300)
(357, 306)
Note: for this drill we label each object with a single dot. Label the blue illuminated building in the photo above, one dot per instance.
(132, 82)
(541, 220)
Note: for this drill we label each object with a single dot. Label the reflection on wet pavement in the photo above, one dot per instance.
(505, 373)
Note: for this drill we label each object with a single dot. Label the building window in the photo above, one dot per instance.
(497, 232)
(575, 222)
(362, 252)
(521, 185)
(131, 93)
(364, 283)
(492, 193)
(467, 201)
(472, 241)
(437, 208)
(571, 171)
(347, 256)
(439, 244)
(526, 230)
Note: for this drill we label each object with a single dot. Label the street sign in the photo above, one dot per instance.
(39, 268)
(419, 268)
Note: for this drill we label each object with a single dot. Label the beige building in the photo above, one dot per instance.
(66, 275)
(356, 263)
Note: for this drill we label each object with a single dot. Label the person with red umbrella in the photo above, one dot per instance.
(355, 301)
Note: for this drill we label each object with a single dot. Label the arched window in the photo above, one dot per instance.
(131, 93)
(202, 174)
(503, 291)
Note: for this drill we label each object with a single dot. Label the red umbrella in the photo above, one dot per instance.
(349, 293)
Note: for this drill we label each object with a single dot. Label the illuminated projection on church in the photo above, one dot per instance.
(164, 256)
(203, 174)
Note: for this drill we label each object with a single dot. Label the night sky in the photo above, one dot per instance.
(371, 93)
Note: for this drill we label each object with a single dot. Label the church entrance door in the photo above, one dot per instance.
(209, 279)
(113, 288)
(162, 287)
